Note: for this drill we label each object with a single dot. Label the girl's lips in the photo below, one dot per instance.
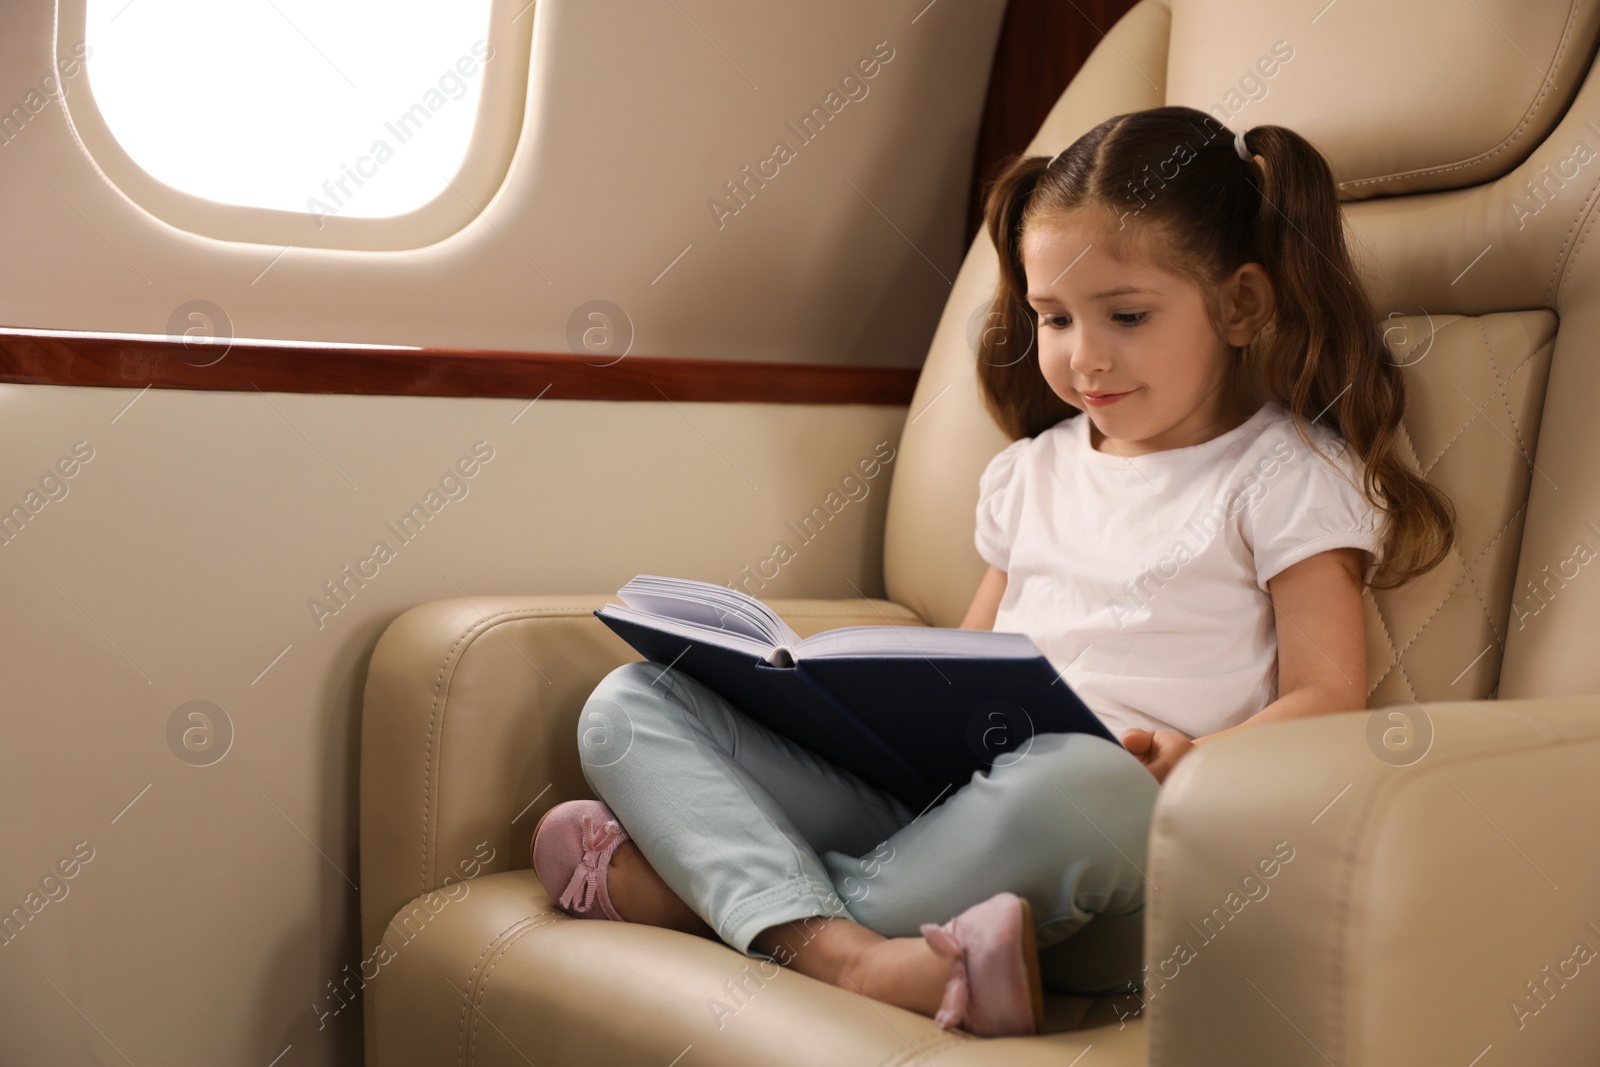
(1104, 398)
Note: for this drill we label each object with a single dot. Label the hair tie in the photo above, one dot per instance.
(1238, 144)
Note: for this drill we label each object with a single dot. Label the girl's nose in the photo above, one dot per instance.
(1088, 356)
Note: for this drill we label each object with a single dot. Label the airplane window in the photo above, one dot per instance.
(356, 109)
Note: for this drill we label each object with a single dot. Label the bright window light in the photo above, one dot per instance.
(356, 108)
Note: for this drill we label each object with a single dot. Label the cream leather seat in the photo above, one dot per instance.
(1434, 894)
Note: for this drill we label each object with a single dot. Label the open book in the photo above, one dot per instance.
(912, 710)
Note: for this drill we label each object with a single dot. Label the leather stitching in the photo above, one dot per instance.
(1415, 452)
(1416, 456)
(1405, 676)
(1493, 629)
(511, 937)
(1440, 606)
(1383, 627)
(1521, 448)
(1465, 426)
(461, 1039)
(1500, 387)
(1548, 346)
(1509, 139)
(1466, 575)
(428, 755)
(1505, 396)
(439, 686)
(1385, 793)
(938, 1043)
(1526, 360)
(1343, 893)
(1500, 639)
(517, 931)
(1502, 532)
(1567, 256)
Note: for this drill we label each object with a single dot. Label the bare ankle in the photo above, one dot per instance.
(903, 971)
(854, 975)
(821, 947)
(639, 895)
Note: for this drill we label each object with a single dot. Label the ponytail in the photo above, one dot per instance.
(1322, 356)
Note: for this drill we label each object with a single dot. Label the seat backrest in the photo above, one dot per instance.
(1466, 144)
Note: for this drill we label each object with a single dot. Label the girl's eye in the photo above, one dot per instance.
(1126, 318)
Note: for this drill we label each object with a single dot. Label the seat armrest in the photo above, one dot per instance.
(1319, 896)
(468, 731)
(469, 711)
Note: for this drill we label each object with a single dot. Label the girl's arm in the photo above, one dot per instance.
(1322, 649)
(1322, 654)
(986, 603)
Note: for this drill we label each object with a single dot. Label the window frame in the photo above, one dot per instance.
(496, 131)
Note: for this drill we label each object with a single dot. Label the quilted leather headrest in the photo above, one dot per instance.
(1431, 95)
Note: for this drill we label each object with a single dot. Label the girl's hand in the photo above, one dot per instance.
(1159, 750)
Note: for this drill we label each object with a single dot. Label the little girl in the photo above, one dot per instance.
(1204, 478)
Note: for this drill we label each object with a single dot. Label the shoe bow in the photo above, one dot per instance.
(944, 942)
(598, 844)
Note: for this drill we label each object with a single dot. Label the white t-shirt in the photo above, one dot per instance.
(1143, 578)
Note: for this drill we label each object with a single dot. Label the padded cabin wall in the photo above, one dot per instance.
(183, 561)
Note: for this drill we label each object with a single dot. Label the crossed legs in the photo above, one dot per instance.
(740, 835)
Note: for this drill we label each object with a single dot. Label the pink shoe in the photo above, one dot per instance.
(994, 988)
(572, 846)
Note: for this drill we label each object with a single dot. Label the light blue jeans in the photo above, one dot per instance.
(752, 831)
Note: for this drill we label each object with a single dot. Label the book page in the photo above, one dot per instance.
(755, 646)
(707, 604)
(929, 641)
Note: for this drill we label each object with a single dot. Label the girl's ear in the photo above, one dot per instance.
(1249, 301)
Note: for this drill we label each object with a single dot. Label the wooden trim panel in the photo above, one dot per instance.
(33, 357)
(1042, 45)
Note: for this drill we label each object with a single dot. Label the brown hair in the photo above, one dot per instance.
(1172, 177)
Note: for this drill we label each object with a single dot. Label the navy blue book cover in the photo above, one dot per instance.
(914, 726)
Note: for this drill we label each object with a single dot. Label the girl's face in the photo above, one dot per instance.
(1132, 345)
